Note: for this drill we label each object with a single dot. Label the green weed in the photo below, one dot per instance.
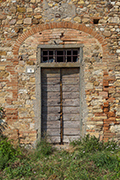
(88, 160)
(106, 160)
(92, 144)
(43, 148)
(7, 152)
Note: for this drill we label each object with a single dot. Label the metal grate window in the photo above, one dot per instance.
(59, 55)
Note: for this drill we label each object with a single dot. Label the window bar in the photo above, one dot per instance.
(63, 55)
(42, 56)
(55, 55)
(71, 55)
(66, 56)
(48, 55)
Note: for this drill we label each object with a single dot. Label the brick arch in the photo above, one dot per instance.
(41, 27)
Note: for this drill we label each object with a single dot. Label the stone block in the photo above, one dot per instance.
(27, 20)
(13, 9)
(97, 110)
(117, 67)
(2, 67)
(20, 16)
(35, 21)
(3, 73)
(77, 19)
(118, 3)
(21, 9)
(81, 2)
(13, 21)
(38, 16)
(115, 129)
(107, 33)
(99, 118)
(103, 94)
(20, 21)
(85, 20)
(118, 51)
(2, 16)
(32, 1)
(89, 86)
(3, 53)
(29, 10)
(114, 20)
(96, 83)
(38, 10)
(2, 100)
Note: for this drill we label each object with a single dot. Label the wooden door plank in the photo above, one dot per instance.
(50, 110)
(50, 87)
(71, 117)
(70, 71)
(72, 131)
(51, 132)
(51, 117)
(71, 95)
(74, 110)
(51, 102)
(71, 124)
(71, 75)
(70, 80)
(51, 95)
(54, 132)
(51, 124)
(68, 139)
(70, 88)
(51, 80)
(71, 102)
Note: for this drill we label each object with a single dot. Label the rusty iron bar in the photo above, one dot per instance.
(61, 110)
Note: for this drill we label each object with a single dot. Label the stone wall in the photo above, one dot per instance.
(25, 25)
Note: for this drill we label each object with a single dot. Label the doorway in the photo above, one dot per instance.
(60, 108)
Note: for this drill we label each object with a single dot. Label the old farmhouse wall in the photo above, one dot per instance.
(24, 25)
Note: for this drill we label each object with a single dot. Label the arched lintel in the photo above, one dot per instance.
(69, 25)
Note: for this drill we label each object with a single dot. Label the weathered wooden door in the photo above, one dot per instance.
(60, 104)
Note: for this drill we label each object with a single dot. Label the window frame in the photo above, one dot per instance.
(52, 55)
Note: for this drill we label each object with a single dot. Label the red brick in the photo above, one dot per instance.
(106, 110)
(103, 94)
(75, 26)
(111, 114)
(67, 24)
(105, 83)
(106, 104)
(111, 99)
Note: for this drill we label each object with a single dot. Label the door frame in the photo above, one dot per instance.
(38, 78)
